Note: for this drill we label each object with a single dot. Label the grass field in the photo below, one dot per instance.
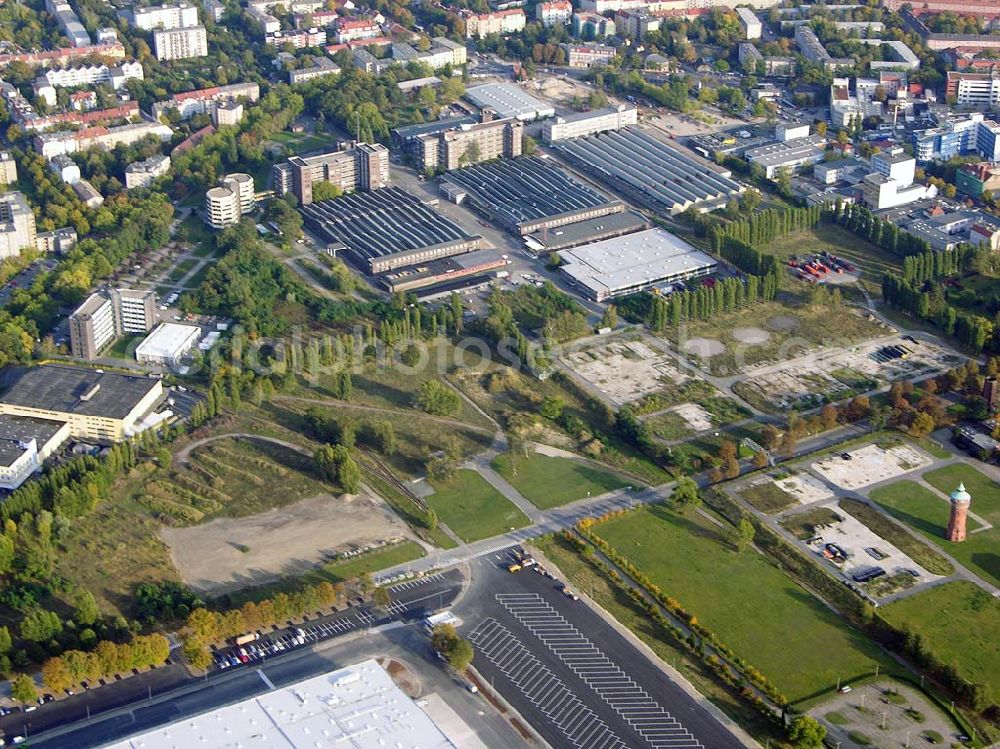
(984, 490)
(920, 509)
(960, 623)
(195, 280)
(873, 261)
(550, 482)
(301, 142)
(473, 509)
(760, 613)
(120, 348)
(768, 497)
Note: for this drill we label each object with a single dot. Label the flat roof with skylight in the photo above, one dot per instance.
(632, 263)
(509, 101)
(358, 707)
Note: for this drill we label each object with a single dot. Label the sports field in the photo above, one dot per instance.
(802, 646)
(549, 482)
(473, 509)
(960, 623)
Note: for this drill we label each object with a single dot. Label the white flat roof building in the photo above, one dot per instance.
(509, 101)
(167, 344)
(632, 263)
(752, 27)
(358, 706)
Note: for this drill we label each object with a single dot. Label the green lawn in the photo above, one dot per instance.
(960, 623)
(768, 497)
(120, 348)
(984, 490)
(195, 281)
(473, 509)
(301, 142)
(927, 513)
(550, 482)
(755, 609)
(181, 269)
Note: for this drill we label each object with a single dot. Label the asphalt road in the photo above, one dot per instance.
(169, 692)
(573, 676)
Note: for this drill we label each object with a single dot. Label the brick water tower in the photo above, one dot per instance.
(960, 501)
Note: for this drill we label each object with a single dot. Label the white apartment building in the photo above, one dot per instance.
(882, 192)
(8, 168)
(555, 13)
(352, 29)
(180, 44)
(175, 16)
(588, 123)
(974, 89)
(190, 103)
(88, 75)
(269, 23)
(222, 207)
(70, 141)
(242, 185)
(588, 55)
(142, 173)
(17, 225)
(752, 28)
(500, 22)
(896, 165)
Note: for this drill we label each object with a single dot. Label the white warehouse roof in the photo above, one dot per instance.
(168, 341)
(633, 262)
(509, 100)
(358, 707)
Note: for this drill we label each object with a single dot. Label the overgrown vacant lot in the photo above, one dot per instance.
(873, 261)
(960, 623)
(926, 513)
(550, 482)
(472, 508)
(765, 617)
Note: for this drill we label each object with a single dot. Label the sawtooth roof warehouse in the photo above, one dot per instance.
(632, 263)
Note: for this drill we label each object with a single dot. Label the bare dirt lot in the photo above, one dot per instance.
(623, 370)
(231, 553)
(805, 488)
(835, 373)
(871, 464)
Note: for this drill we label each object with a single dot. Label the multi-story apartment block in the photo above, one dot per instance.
(351, 29)
(592, 26)
(180, 44)
(973, 89)
(269, 23)
(242, 185)
(204, 100)
(588, 55)
(589, 123)
(63, 55)
(555, 13)
(8, 168)
(222, 208)
(298, 38)
(180, 15)
(469, 144)
(982, 8)
(479, 26)
(142, 173)
(213, 9)
(322, 66)
(17, 225)
(69, 22)
(752, 27)
(69, 141)
(636, 24)
(85, 75)
(106, 315)
(363, 167)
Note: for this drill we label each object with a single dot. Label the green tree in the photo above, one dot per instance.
(381, 597)
(5, 641)
(437, 399)
(86, 609)
(325, 191)
(40, 625)
(685, 495)
(742, 535)
(610, 317)
(23, 689)
(805, 732)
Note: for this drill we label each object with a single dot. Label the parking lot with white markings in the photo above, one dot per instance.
(570, 673)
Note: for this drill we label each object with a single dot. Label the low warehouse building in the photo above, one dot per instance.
(167, 344)
(509, 100)
(98, 406)
(633, 263)
(655, 174)
(25, 443)
(526, 194)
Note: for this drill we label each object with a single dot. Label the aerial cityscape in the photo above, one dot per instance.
(499, 374)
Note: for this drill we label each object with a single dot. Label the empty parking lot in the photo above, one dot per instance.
(572, 675)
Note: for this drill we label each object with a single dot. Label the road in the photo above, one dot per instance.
(170, 692)
(571, 674)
